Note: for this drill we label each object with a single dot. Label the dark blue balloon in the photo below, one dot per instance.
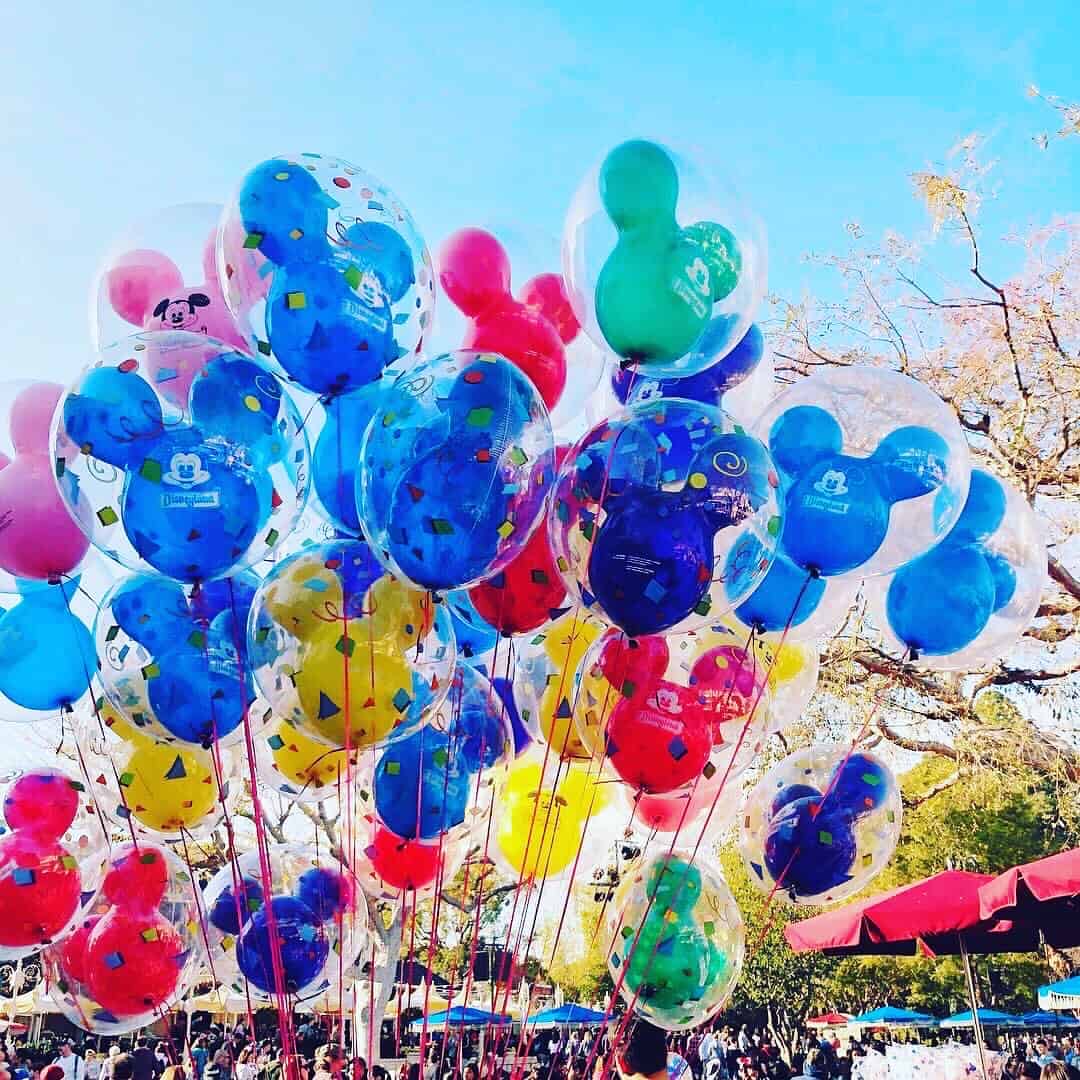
(802, 435)
(651, 561)
(227, 915)
(324, 891)
(297, 935)
(479, 729)
(201, 693)
(336, 457)
(284, 212)
(115, 416)
(941, 602)
(859, 784)
(790, 794)
(47, 655)
(810, 848)
(522, 736)
(377, 249)
(786, 597)
(152, 610)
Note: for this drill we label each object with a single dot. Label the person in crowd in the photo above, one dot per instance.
(147, 1066)
(93, 1062)
(1054, 1070)
(123, 1067)
(643, 1052)
(1041, 1054)
(329, 1062)
(1030, 1071)
(218, 1068)
(72, 1066)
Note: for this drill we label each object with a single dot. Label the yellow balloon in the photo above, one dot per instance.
(565, 643)
(348, 687)
(305, 763)
(304, 597)
(398, 613)
(167, 788)
(119, 724)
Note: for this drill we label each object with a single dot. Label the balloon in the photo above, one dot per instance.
(424, 781)
(707, 386)
(162, 274)
(474, 271)
(388, 866)
(476, 638)
(546, 664)
(674, 293)
(821, 824)
(39, 539)
(456, 468)
(174, 657)
(667, 712)
(345, 653)
(47, 656)
(288, 934)
(138, 947)
(50, 861)
(194, 496)
(968, 600)
(875, 470)
(291, 763)
(677, 941)
(325, 271)
(653, 508)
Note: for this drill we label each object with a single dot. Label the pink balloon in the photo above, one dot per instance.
(39, 539)
(137, 280)
(31, 414)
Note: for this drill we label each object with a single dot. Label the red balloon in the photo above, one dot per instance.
(44, 801)
(73, 951)
(474, 271)
(403, 864)
(633, 666)
(529, 591)
(133, 962)
(728, 681)
(659, 742)
(546, 293)
(40, 889)
(137, 879)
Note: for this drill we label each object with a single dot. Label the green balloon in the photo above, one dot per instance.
(654, 293)
(721, 252)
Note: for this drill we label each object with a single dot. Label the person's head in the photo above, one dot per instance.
(414, 1070)
(1040, 1046)
(643, 1051)
(472, 1072)
(66, 1049)
(123, 1067)
(330, 1058)
(578, 1068)
(1054, 1070)
(1030, 1071)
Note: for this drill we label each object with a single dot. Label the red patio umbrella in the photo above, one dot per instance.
(829, 1019)
(1044, 894)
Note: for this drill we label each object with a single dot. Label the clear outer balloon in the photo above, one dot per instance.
(193, 491)
(39, 540)
(137, 948)
(173, 658)
(325, 271)
(875, 469)
(52, 859)
(545, 667)
(967, 602)
(676, 941)
(667, 713)
(47, 658)
(551, 815)
(136, 780)
(456, 469)
(821, 825)
(299, 768)
(289, 935)
(666, 264)
(161, 274)
(347, 654)
(443, 775)
(665, 517)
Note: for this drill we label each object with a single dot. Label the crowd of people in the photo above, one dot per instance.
(640, 1052)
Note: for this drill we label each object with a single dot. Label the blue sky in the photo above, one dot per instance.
(485, 112)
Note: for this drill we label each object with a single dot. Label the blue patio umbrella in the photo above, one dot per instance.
(987, 1018)
(887, 1014)
(569, 1014)
(460, 1016)
(1041, 1018)
(1061, 995)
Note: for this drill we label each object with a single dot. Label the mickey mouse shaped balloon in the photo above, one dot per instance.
(676, 941)
(135, 952)
(875, 470)
(195, 493)
(666, 265)
(653, 508)
(530, 331)
(51, 860)
(821, 825)
(325, 271)
(174, 657)
(286, 935)
(969, 599)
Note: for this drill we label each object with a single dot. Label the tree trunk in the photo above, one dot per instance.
(370, 1008)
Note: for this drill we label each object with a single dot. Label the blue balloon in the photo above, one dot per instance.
(115, 416)
(786, 597)
(984, 509)
(810, 847)
(708, 385)
(475, 637)
(523, 738)
(790, 794)
(228, 915)
(803, 434)
(47, 655)
(323, 891)
(1004, 579)
(336, 457)
(297, 935)
(913, 462)
(284, 212)
(859, 785)
(151, 610)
